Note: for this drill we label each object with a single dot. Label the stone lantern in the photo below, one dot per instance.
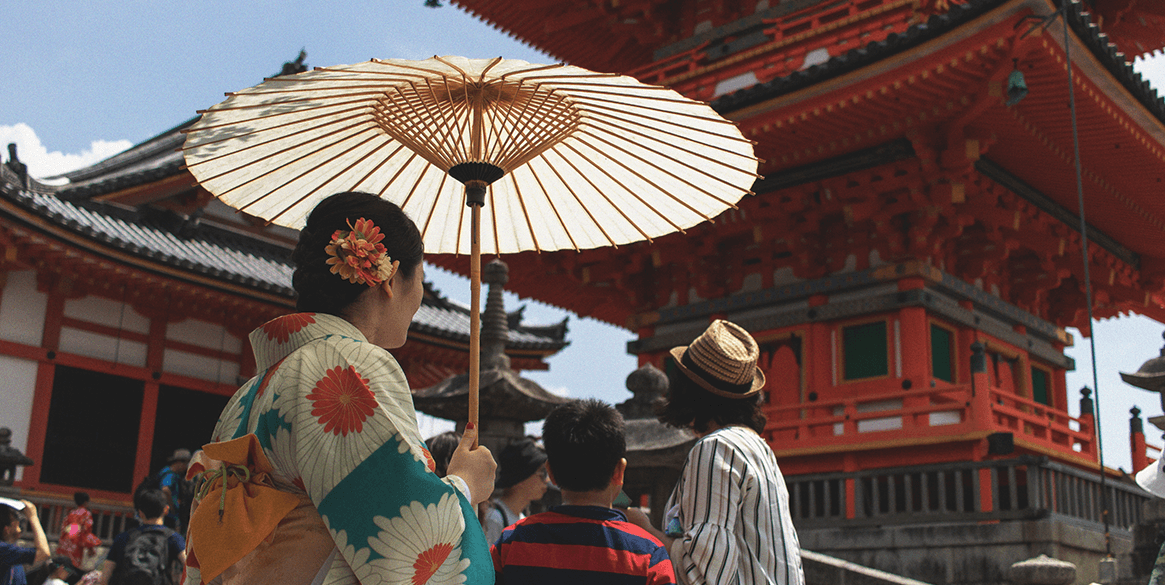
(507, 401)
(1151, 377)
(10, 457)
(655, 452)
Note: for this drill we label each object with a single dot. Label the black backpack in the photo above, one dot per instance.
(146, 560)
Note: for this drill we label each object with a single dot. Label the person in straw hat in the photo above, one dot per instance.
(727, 520)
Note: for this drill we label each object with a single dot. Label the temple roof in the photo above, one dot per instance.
(156, 158)
(160, 236)
(1088, 31)
(629, 34)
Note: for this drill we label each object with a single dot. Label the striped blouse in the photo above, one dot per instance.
(732, 507)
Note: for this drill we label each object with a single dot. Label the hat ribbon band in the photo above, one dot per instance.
(715, 382)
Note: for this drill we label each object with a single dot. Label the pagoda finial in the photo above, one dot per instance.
(495, 329)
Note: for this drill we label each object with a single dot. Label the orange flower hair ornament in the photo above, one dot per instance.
(358, 256)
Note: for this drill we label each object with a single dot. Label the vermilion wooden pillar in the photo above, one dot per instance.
(817, 357)
(914, 340)
(43, 394)
(986, 491)
(154, 354)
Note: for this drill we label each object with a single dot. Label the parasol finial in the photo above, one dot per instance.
(476, 176)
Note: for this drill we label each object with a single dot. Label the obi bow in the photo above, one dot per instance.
(238, 504)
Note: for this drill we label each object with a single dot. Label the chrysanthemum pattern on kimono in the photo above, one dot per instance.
(335, 417)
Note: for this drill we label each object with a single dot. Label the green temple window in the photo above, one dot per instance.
(865, 351)
(1040, 385)
(942, 360)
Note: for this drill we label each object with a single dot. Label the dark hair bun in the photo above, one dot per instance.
(321, 291)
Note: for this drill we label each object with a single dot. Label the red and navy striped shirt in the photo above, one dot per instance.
(576, 545)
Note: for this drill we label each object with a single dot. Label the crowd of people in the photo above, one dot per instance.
(316, 471)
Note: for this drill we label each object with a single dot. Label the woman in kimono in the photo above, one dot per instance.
(77, 531)
(318, 473)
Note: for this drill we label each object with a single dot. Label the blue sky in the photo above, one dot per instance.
(84, 80)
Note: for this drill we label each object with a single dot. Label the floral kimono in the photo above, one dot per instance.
(77, 535)
(326, 436)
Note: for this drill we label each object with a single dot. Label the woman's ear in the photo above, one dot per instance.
(386, 285)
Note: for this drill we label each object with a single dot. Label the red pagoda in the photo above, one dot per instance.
(911, 259)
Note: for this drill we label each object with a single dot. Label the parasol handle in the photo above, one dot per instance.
(475, 201)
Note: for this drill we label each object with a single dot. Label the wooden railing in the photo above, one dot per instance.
(1025, 487)
(1041, 423)
(109, 520)
(840, 421)
(937, 412)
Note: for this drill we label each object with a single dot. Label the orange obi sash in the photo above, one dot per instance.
(239, 506)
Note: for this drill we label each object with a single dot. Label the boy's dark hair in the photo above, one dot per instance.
(8, 514)
(689, 405)
(321, 291)
(584, 442)
(441, 447)
(150, 503)
(80, 498)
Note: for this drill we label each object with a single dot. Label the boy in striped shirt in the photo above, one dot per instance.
(584, 540)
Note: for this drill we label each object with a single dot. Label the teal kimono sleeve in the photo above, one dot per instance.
(353, 437)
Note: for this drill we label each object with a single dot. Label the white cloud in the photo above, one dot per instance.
(42, 163)
(559, 391)
(1152, 68)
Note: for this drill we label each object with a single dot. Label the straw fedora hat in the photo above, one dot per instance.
(722, 360)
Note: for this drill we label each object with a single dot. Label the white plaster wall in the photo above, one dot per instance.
(203, 334)
(747, 79)
(751, 282)
(945, 417)
(22, 309)
(103, 347)
(815, 57)
(783, 276)
(107, 312)
(16, 406)
(870, 425)
(199, 366)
